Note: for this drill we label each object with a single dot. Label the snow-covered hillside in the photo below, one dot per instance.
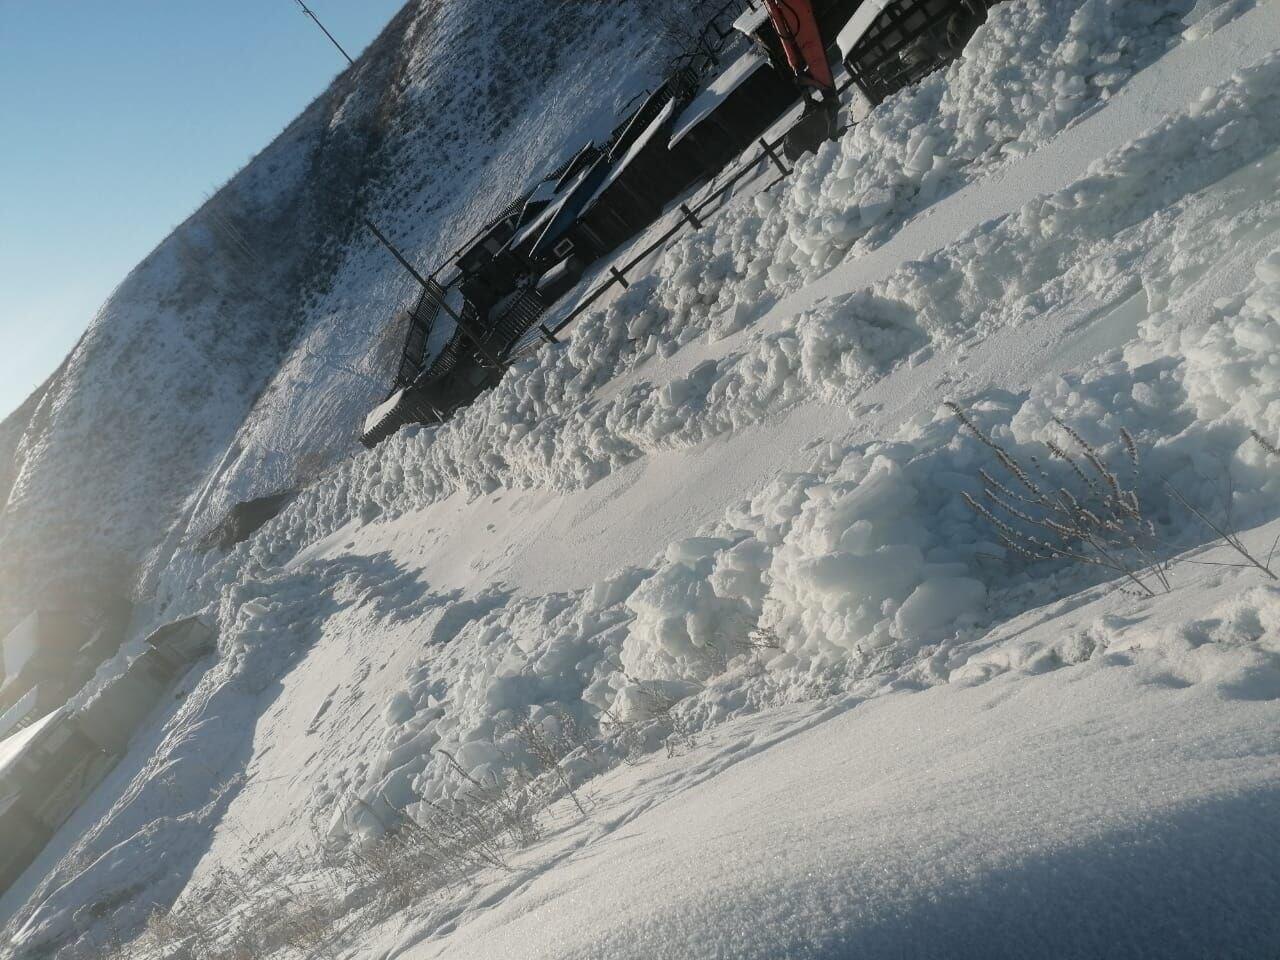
(686, 640)
(241, 356)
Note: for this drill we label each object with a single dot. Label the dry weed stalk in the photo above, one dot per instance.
(303, 904)
(549, 750)
(760, 638)
(1226, 533)
(636, 735)
(1101, 524)
(1266, 444)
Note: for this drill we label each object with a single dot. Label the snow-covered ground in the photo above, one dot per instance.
(1104, 791)
(818, 709)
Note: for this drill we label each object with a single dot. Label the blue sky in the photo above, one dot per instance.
(116, 118)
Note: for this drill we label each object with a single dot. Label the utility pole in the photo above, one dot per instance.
(307, 11)
(463, 325)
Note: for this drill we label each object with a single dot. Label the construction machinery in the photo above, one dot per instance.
(805, 55)
(885, 45)
(890, 44)
(717, 100)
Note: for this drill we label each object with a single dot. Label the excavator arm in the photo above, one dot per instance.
(797, 28)
(806, 54)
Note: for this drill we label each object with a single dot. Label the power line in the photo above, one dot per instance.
(307, 11)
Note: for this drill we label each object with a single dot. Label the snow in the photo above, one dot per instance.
(556, 274)
(565, 211)
(383, 409)
(723, 530)
(535, 226)
(543, 192)
(12, 748)
(443, 326)
(960, 821)
(222, 371)
(751, 20)
(715, 93)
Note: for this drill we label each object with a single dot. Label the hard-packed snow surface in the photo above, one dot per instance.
(718, 542)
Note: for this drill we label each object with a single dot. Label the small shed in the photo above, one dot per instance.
(522, 242)
(552, 245)
(111, 718)
(543, 194)
(487, 264)
(46, 651)
(642, 182)
(50, 766)
(637, 122)
(182, 643)
(14, 747)
(46, 770)
(581, 162)
(887, 45)
(739, 104)
(561, 278)
(22, 833)
(22, 714)
(22, 837)
(43, 640)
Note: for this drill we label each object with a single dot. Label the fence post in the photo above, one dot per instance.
(547, 335)
(782, 167)
(689, 215)
(617, 275)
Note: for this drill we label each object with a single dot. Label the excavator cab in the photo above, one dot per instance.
(885, 44)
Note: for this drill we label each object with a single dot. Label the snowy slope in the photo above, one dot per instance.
(501, 95)
(727, 519)
(240, 357)
(1098, 808)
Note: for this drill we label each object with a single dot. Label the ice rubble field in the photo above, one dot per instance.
(951, 750)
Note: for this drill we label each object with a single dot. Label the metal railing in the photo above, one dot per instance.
(421, 322)
(691, 217)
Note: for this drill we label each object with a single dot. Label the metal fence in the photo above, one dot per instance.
(691, 218)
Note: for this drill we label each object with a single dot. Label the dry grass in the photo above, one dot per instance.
(305, 905)
(659, 725)
(1101, 522)
(1091, 517)
(1225, 530)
